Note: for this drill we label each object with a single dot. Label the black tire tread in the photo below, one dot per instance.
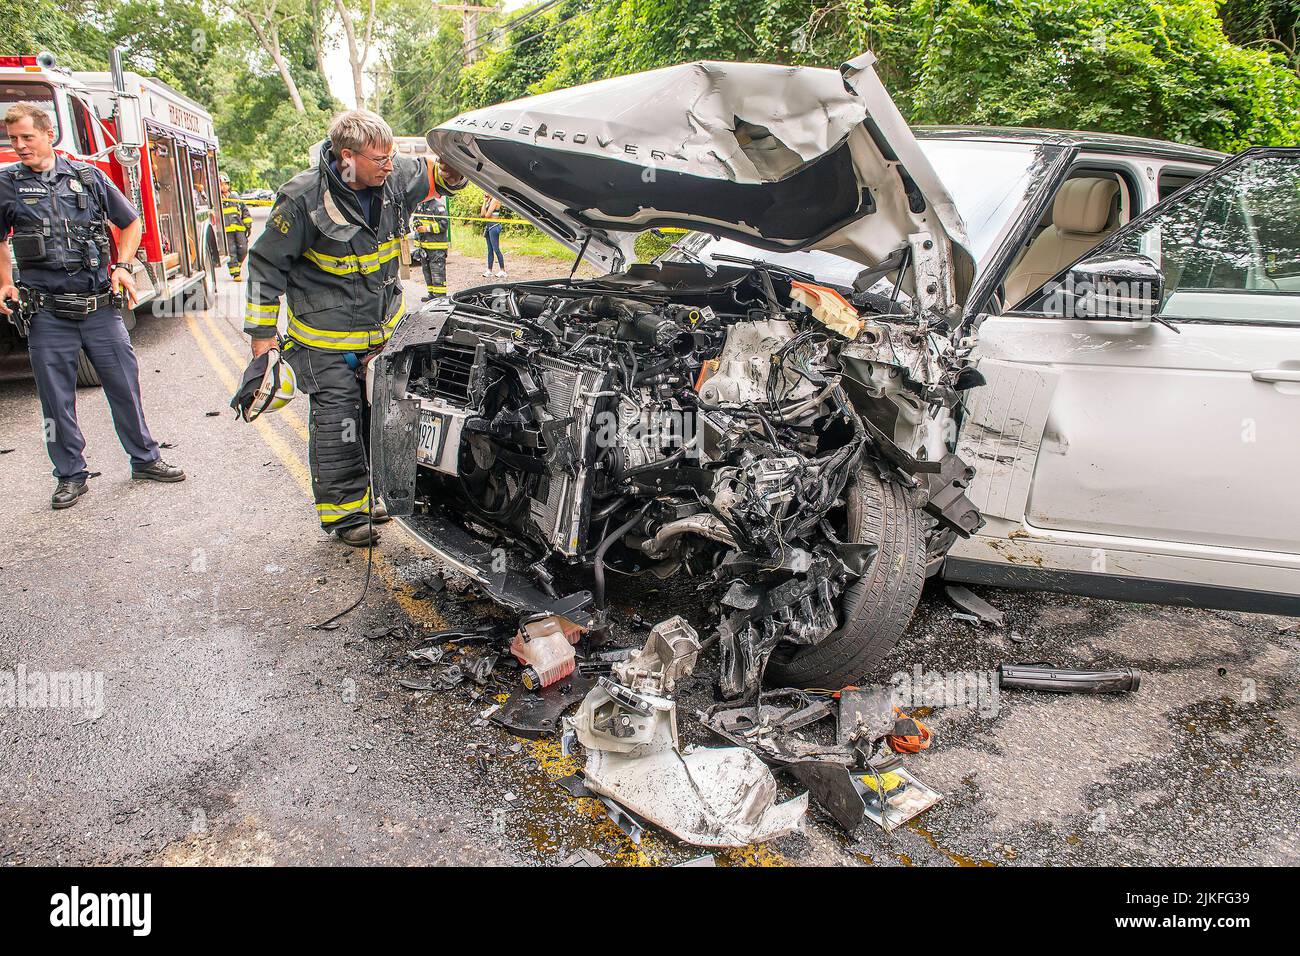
(892, 592)
(87, 377)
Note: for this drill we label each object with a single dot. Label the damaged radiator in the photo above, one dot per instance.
(572, 396)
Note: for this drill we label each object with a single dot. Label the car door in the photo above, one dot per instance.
(1155, 460)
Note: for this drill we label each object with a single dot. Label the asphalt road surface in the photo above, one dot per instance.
(232, 732)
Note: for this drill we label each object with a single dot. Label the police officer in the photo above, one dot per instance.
(239, 223)
(432, 240)
(59, 212)
(332, 248)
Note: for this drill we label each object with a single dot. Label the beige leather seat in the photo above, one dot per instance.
(1081, 218)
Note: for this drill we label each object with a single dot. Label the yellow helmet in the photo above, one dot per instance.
(269, 384)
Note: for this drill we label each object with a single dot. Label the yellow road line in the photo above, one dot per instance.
(419, 611)
(288, 458)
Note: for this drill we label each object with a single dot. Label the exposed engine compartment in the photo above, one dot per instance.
(676, 419)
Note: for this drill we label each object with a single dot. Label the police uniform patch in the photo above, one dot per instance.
(74, 185)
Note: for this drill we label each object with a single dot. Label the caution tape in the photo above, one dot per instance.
(503, 222)
(525, 222)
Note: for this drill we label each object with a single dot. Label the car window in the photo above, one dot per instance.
(1231, 248)
(1173, 180)
(81, 127)
(1228, 248)
(39, 93)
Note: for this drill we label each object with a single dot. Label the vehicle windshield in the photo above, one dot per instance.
(38, 93)
(987, 181)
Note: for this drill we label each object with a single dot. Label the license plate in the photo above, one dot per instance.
(428, 443)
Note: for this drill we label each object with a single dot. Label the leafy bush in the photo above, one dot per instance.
(1160, 68)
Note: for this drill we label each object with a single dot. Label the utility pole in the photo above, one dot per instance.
(469, 24)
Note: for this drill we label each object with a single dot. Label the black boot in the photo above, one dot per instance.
(66, 493)
(359, 536)
(158, 471)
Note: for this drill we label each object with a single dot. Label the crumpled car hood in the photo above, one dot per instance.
(779, 157)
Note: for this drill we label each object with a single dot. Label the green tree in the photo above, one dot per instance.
(1161, 68)
(173, 40)
(1271, 24)
(73, 31)
(421, 49)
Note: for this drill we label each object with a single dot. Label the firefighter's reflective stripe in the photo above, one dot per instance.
(264, 315)
(236, 219)
(330, 513)
(358, 340)
(428, 244)
(346, 265)
(437, 289)
(440, 184)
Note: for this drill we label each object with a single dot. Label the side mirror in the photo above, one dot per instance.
(128, 157)
(1120, 287)
(127, 117)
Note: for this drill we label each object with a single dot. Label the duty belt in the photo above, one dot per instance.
(74, 306)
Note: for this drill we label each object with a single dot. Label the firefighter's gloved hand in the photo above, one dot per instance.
(261, 346)
(8, 293)
(124, 283)
(450, 175)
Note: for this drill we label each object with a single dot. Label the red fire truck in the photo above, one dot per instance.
(159, 147)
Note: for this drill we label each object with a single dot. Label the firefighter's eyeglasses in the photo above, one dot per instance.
(383, 162)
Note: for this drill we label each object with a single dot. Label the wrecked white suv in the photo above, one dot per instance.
(1128, 456)
(736, 421)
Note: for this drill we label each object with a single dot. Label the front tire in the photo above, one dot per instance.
(87, 377)
(877, 608)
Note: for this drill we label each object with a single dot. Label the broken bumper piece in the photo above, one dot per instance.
(479, 562)
(717, 797)
(705, 796)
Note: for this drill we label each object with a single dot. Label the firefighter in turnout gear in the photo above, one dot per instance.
(59, 211)
(331, 249)
(432, 240)
(239, 223)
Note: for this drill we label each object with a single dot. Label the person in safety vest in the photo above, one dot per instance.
(331, 250)
(432, 240)
(238, 223)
